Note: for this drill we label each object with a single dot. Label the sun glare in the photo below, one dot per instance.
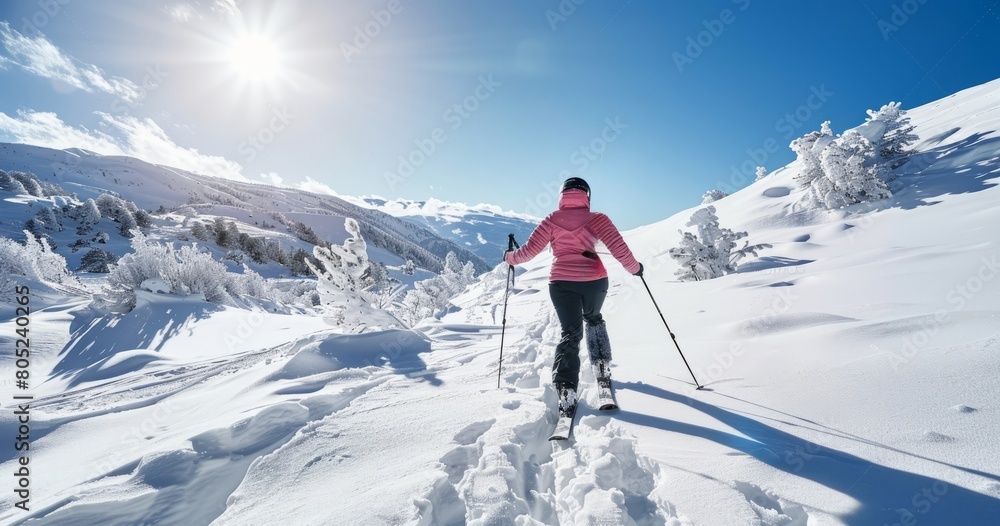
(255, 57)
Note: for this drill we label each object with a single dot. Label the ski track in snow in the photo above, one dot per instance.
(505, 471)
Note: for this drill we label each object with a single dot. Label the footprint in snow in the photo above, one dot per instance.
(934, 436)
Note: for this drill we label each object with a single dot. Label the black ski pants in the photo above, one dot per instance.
(574, 301)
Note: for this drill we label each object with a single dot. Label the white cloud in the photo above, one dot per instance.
(46, 129)
(125, 135)
(273, 178)
(227, 8)
(186, 12)
(182, 12)
(316, 187)
(147, 141)
(40, 57)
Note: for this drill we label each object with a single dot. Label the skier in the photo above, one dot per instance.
(578, 282)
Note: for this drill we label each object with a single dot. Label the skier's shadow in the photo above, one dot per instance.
(885, 495)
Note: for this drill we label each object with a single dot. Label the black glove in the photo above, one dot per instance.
(638, 272)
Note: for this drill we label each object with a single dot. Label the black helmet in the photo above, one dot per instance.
(575, 182)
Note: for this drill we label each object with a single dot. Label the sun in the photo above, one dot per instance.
(256, 58)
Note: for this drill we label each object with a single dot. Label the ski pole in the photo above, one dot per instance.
(511, 243)
(672, 337)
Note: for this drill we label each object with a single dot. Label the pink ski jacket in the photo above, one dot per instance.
(574, 230)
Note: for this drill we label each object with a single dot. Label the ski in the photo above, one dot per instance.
(606, 395)
(564, 427)
(605, 390)
(567, 411)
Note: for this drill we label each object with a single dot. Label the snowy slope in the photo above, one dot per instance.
(850, 373)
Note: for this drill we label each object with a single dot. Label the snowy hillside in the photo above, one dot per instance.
(88, 175)
(481, 229)
(850, 373)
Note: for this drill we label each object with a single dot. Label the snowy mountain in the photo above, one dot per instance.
(481, 229)
(88, 175)
(850, 377)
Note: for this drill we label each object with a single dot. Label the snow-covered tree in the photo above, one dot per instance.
(118, 210)
(712, 196)
(48, 219)
(809, 148)
(199, 231)
(853, 172)
(341, 272)
(97, 261)
(12, 185)
(713, 251)
(142, 218)
(409, 268)
(893, 147)
(840, 171)
(88, 214)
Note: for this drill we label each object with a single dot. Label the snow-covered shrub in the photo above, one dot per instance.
(380, 289)
(713, 251)
(34, 259)
(409, 268)
(432, 297)
(712, 196)
(760, 173)
(184, 271)
(340, 272)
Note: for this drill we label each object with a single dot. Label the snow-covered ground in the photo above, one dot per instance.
(850, 373)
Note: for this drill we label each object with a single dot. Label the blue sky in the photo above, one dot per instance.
(652, 102)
